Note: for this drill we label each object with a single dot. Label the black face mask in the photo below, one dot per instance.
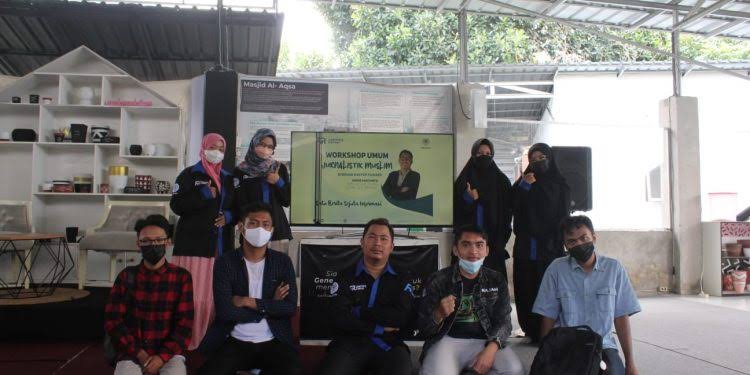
(582, 252)
(483, 161)
(153, 253)
(540, 166)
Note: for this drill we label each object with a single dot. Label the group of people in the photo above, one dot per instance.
(236, 305)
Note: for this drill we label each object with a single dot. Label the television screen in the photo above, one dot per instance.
(343, 179)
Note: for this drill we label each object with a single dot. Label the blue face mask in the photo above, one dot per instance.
(469, 266)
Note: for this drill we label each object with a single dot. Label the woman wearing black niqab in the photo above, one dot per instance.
(482, 196)
(541, 200)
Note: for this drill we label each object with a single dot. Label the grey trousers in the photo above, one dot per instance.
(450, 356)
(175, 366)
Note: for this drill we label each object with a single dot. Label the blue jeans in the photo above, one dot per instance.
(614, 362)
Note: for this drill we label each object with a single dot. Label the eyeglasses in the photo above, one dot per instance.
(155, 241)
(571, 242)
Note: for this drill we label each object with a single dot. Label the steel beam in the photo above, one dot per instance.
(691, 19)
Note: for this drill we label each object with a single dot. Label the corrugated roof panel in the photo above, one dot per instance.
(622, 13)
(150, 42)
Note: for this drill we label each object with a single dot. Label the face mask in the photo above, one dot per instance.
(153, 253)
(540, 166)
(258, 237)
(214, 156)
(484, 161)
(582, 252)
(469, 266)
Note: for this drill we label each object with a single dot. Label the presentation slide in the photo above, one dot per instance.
(349, 178)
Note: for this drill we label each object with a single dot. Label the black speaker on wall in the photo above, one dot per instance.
(220, 110)
(575, 166)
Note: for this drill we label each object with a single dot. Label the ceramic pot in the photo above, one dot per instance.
(163, 187)
(734, 249)
(136, 150)
(78, 133)
(726, 282)
(143, 182)
(98, 133)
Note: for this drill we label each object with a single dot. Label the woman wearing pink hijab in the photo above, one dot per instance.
(202, 197)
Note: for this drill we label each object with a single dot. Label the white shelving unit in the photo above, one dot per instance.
(27, 165)
(716, 235)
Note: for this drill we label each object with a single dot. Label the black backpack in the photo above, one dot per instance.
(569, 351)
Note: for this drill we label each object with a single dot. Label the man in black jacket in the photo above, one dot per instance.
(372, 305)
(255, 294)
(465, 314)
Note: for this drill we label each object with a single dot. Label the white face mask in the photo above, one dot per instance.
(258, 237)
(214, 156)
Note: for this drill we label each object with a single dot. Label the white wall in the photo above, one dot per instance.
(619, 120)
(724, 112)
(6, 80)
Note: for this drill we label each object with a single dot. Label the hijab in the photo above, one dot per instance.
(491, 183)
(552, 172)
(254, 165)
(212, 170)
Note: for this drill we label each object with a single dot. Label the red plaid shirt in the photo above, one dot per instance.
(157, 316)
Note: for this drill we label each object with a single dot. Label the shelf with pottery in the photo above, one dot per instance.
(726, 258)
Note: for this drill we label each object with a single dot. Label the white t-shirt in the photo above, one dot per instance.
(254, 332)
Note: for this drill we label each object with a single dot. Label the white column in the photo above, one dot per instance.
(679, 116)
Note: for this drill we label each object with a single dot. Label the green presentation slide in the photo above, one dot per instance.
(350, 178)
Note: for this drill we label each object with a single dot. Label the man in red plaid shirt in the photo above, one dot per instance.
(149, 314)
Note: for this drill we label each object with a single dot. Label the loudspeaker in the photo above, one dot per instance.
(220, 111)
(575, 166)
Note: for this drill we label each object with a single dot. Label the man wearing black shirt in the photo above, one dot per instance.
(372, 304)
(465, 314)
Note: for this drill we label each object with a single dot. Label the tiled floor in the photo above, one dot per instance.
(672, 335)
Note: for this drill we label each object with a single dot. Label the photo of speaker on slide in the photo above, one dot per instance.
(402, 184)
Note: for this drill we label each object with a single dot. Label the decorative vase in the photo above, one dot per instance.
(118, 178)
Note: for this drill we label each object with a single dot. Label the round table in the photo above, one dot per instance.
(25, 285)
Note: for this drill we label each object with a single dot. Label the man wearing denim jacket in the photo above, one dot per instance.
(465, 314)
(587, 288)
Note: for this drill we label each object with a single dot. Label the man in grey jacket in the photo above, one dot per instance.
(465, 314)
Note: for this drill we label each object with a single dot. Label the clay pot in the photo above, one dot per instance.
(739, 280)
(744, 243)
(726, 282)
(734, 249)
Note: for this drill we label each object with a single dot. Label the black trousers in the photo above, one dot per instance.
(527, 277)
(354, 356)
(271, 357)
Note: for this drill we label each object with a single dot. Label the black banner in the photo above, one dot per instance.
(320, 271)
(284, 97)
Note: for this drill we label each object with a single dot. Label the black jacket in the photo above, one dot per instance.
(391, 189)
(353, 314)
(492, 304)
(231, 279)
(537, 214)
(191, 200)
(250, 190)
